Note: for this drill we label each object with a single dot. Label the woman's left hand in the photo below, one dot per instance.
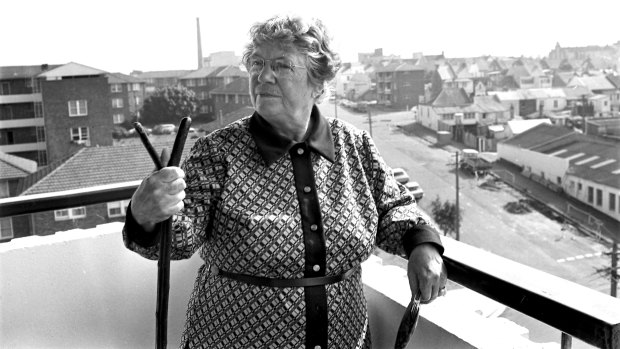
(427, 273)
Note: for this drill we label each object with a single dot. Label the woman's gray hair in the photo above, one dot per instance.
(308, 36)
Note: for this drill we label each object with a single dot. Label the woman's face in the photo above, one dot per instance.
(284, 98)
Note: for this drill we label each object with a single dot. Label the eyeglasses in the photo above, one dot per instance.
(279, 66)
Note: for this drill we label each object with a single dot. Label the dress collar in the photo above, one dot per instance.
(272, 146)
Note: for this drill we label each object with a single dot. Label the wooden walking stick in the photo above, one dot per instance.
(165, 228)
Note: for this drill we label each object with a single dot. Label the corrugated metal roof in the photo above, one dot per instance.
(538, 135)
(597, 159)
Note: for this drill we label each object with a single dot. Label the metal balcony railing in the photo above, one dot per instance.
(576, 311)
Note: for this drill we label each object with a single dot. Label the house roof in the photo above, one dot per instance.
(615, 80)
(200, 73)
(594, 83)
(71, 69)
(232, 71)
(451, 97)
(23, 71)
(576, 92)
(119, 78)
(12, 166)
(93, 166)
(160, 74)
(237, 86)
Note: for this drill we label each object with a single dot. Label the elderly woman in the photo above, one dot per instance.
(283, 207)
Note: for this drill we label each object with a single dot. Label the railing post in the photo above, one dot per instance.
(567, 341)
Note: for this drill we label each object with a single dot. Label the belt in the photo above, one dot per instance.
(271, 282)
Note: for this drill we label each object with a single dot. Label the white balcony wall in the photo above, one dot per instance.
(83, 289)
(24, 98)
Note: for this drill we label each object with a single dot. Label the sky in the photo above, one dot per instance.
(127, 35)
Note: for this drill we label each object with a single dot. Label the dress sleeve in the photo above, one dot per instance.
(402, 224)
(204, 173)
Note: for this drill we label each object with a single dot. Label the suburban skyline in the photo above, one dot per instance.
(118, 36)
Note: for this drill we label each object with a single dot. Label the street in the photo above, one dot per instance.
(530, 238)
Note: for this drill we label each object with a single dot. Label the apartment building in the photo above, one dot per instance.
(203, 81)
(400, 85)
(49, 112)
(127, 95)
(21, 112)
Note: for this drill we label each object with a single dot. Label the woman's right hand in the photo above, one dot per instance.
(158, 197)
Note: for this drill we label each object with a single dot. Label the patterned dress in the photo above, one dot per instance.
(261, 205)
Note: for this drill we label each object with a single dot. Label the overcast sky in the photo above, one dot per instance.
(121, 36)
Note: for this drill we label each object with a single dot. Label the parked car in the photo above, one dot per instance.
(414, 188)
(164, 129)
(400, 175)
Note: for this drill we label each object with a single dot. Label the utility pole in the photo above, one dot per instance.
(614, 269)
(456, 216)
(369, 121)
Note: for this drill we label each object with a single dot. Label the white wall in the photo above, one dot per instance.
(83, 289)
(571, 187)
(538, 163)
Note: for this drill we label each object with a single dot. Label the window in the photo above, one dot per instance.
(204, 109)
(5, 88)
(190, 82)
(78, 107)
(70, 213)
(6, 228)
(4, 189)
(236, 99)
(80, 135)
(117, 102)
(579, 186)
(555, 103)
(202, 82)
(116, 88)
(225, 98)
(612, 201)
(118, 118)
(38, 109)
(599, 197)
(117, 208)
(137, 100)
(590, 195)
(135, 87)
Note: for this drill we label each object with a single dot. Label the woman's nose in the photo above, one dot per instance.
(266, 74)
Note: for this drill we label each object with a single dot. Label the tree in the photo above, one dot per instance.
(169, 105)
(444, 214)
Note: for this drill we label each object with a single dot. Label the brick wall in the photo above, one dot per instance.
(58, 123)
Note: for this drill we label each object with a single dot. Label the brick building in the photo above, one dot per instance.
(50, 112)
(400, 85)
(205, 80)
(231, 97)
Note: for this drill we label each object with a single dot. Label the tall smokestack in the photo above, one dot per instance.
(199, 43)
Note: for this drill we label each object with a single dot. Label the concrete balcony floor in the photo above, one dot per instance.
(83, 289)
